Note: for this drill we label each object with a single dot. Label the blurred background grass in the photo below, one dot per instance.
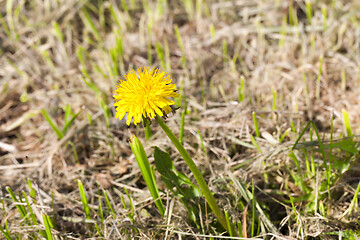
(252, 75)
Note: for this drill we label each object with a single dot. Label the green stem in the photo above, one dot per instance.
(147, 129)
(199, 178)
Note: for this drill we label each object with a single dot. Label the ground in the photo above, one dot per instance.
(268, 110)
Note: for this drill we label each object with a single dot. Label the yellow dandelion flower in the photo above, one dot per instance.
(144, 94)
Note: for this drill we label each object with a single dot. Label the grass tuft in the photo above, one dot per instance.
(264, 82)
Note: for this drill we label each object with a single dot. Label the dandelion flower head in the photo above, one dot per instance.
(144, 94)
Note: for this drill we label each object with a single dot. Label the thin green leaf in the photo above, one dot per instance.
(247, 195)
(52, 124)
(144, 165)
(5, 233)
(301, 135)
(347, 123)
(69, 123)
(101, 212)
(256, 125)
(68, 113)
(84, 200)
(47, 226)
(178, 183)
(108, 204)
(20, 208)
(90, 24)
(253, 141)
(31, 213)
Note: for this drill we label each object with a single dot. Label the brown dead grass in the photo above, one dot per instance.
(29, 83)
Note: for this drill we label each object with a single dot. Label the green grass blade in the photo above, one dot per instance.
(52, 124)
(67, 113)
(53, 220)
(101, 212)
(31, 212)
(90, 120)
(105, 107)
(347, 123)
(124, 6)
(57, 32)
(160, 53)
(178, 37)
(20, 208)
(274, 93)
(131, 205)
(293, 206)
(225, 52)
(354, 200)
(253, 208)
(80, 52)
(125, 207)
(328, 168)
(167, 56)
(119, 48)
(212, 31)
(318, 81)
(291, 14)
(256, 124)
(283, 32)
(6, 233)
(47, 226)
(101, 7)
(202, 144)
(9, 15)
(343, 79)
(144, 165)
(5, 26)
(108, 204)
(182, 123)
(114, 12)
(114, 60)
(247, 195)
(92, 86)
(307, 163)
(309, 11)
(282, 136)
(256, 145)
(123, 202)
(69, 123)
(74, 151)
(239, 142)
(90, 24)
(321, 146)
(229, 224)
(241, 90)
(98, 230)
(239, 228)
(31, 189)
(301, 135)
(298, 178)
(149, 53)
(84, 200)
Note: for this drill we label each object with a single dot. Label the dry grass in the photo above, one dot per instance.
(40, 69)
